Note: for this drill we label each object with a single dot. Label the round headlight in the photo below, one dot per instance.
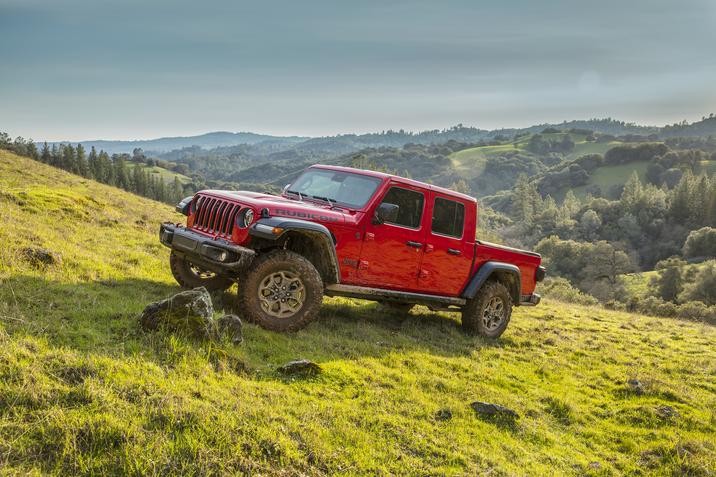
(248, 218)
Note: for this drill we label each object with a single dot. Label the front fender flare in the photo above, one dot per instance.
(265, 228)
(486, 271)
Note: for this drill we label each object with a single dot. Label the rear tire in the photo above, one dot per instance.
(189, 275)
(488, 314)
(282, 291)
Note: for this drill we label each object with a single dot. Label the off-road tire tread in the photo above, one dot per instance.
(186, 278)
(248, 300)
(472, 311)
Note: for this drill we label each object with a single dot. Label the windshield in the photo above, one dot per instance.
(344, 188)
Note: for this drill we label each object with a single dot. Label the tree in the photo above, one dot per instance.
(138, 155)
(670, 281)
(526, 200)
(106, 168)
(604, 270)
(701, 243)
(93, 164)
(590, 224)
(45, 156)
(82, 164)
(69, 162)
(139, 180)
(631, 195)
(120, 172)
(703, 287)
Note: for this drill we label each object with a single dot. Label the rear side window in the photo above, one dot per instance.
(411, 206)
(448, 217)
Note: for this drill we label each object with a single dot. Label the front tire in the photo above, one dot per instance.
(190, 276)
(488, 314)
(283, 291)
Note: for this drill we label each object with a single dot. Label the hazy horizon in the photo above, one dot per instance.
(82, 71)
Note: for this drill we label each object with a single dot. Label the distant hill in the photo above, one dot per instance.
(206, 141)
(346, 143)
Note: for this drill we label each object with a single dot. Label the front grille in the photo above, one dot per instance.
(215, 216)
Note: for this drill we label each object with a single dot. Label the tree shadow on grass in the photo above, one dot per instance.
(102, 317)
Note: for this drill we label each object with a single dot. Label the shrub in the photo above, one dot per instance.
(560, 289)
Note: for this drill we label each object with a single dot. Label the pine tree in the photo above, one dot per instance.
(177, 191)
(631, 196)
(55, 156)
(106, 168)
(121, 174)
(82, 164)
(680, 198)
(93, 165)
(698, 202)
(711, 209)
(69, 162)
(526, 200)
(571, 204)
(45, 156)
(140, 180)
(31, 148)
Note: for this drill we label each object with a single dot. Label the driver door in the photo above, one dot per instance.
(392, 251)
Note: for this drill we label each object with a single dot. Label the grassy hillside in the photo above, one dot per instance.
(165, 174)
(638, 284)
(84, 391)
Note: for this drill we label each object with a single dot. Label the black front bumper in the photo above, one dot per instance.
(217, 255)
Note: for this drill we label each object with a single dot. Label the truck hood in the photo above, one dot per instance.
(279, 206)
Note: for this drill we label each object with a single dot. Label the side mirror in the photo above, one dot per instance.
(386, 212)
(184, 206)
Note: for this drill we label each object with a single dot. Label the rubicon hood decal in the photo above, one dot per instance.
(281, 206)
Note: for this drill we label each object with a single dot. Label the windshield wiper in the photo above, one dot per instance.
(331, 202)
(300, 196)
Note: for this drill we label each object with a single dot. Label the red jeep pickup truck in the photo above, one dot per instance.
(339, 231)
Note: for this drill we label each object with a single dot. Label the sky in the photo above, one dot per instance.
(107, 69)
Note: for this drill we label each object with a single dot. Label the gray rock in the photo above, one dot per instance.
(190, 311)
(300, 367)
(444, 414)
(231, 326)
(666, 412)
(486, 409)
(40, 257)
(636, 386)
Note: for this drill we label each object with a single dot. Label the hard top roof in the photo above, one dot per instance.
(404, 180)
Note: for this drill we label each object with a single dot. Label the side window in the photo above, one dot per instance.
(411, 206)
(448, 217)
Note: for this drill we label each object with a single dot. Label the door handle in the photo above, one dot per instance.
(410, 243)
(453, 251)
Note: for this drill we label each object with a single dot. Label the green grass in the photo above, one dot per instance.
(610, 176)
(471, 162)
(582, 148)
(83, 391)
(165, 174)
(708, 167)
(638, 284)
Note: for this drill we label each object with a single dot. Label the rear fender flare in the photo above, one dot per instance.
(490, 269)
(264, 229)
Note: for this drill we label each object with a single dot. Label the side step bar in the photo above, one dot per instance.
(367, 293)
